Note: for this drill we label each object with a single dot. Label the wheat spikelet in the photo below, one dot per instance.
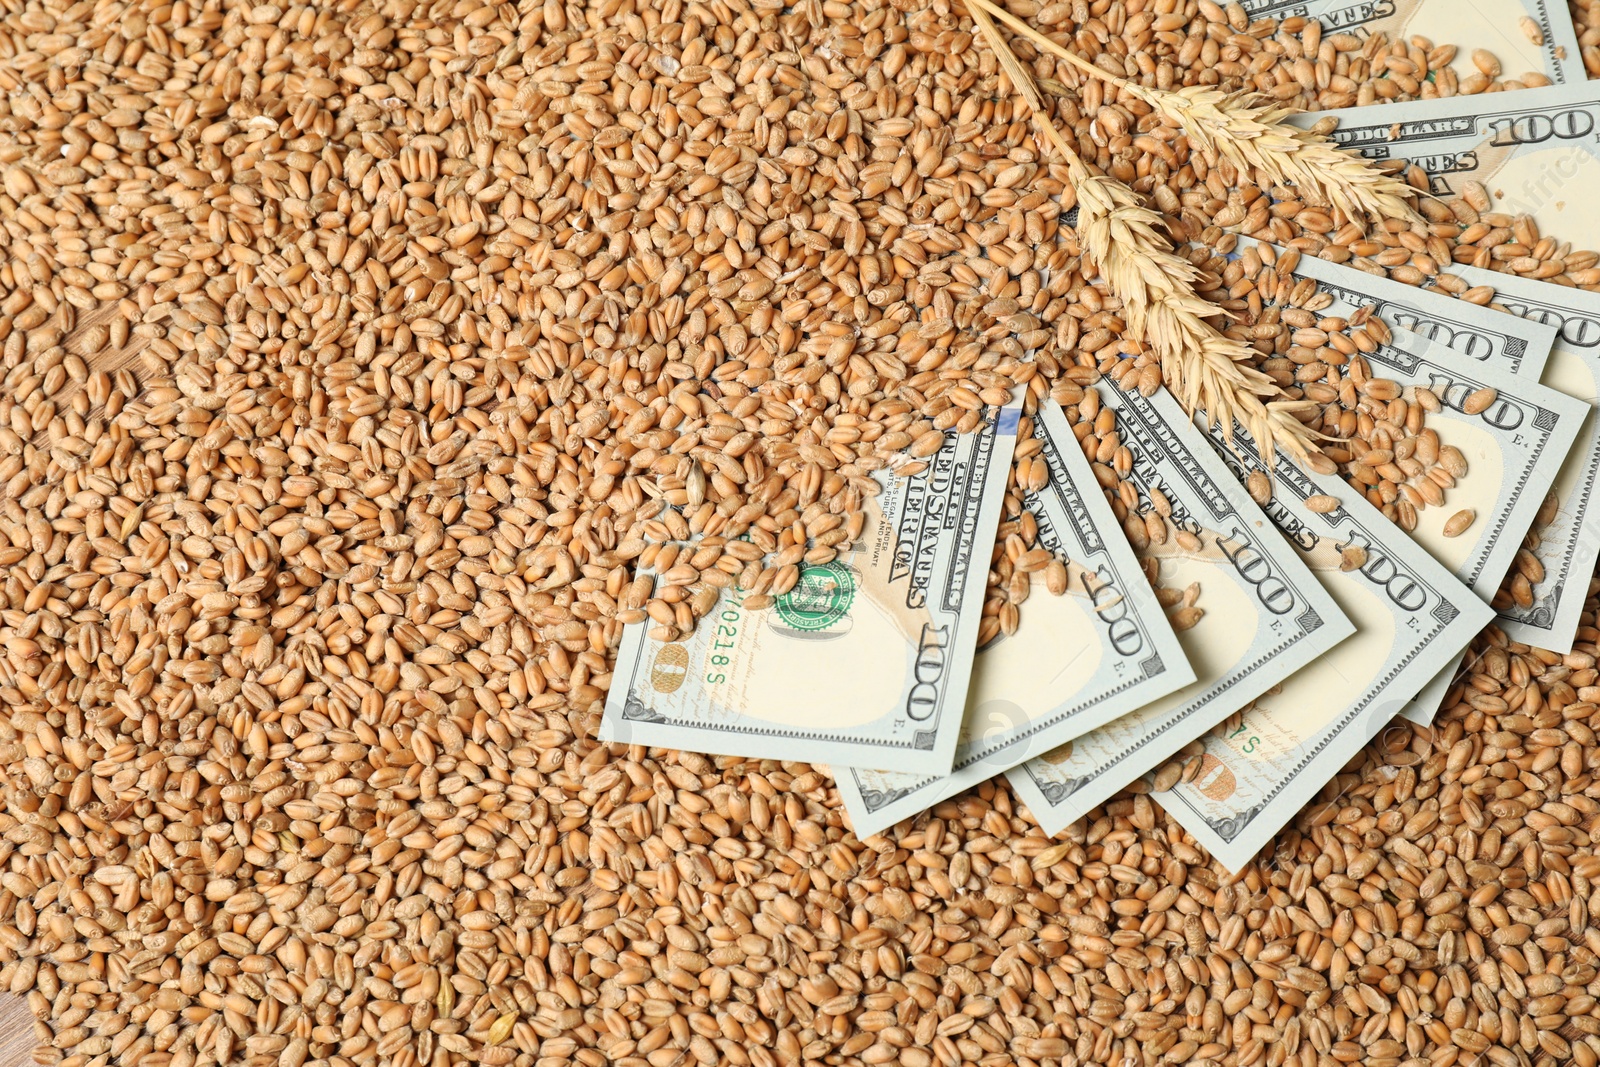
(1253, 137)
(1202, 367)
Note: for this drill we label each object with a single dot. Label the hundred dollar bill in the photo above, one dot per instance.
(1575, 369)
(1567, 545)
(1079, 660)
(1265, 615)
(1537, 151)
(1521, 346)
(866, 660)
(1495, 25)
(1411, 616)
(1514, 449)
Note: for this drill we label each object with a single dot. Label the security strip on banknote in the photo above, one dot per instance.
(1565, 539)
(1091, 655)
(1526, 36)
(1413, 617)
(1536, 151)
(866, 660)
(1264, 614)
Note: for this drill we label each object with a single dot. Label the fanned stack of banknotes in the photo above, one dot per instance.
(1322, 620)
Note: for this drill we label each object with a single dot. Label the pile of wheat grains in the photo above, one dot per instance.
(358, 357)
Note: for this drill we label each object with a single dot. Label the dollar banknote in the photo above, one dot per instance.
(1526, 36)
(866, 660)
(1575, 369)
(1079, 660)
(1568, 545)
(1264, 614)
(1412, 617)
(1514, 448)
(1483, 334)
(1565, 540)
(1536, 151)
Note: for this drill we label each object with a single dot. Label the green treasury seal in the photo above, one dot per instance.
(820, 599)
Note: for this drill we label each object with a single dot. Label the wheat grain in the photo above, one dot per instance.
(360, 366)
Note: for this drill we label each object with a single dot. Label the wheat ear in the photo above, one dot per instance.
(1202, 367)
(1253, 137)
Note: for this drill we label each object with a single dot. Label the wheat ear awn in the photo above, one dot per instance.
(1204, 368)
(1253, 138)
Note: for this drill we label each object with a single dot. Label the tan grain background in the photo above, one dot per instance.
(16, 1025)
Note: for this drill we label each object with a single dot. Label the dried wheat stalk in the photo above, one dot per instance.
(1023, 82)
(1203, 368)
(1252, 137)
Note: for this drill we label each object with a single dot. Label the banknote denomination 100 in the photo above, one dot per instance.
(1412, 616)
(866, 660)
(1078, 661)
(1514, 436)
(1568, 537)
(1543, 602)
(1264, 614)
(1536, 151)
